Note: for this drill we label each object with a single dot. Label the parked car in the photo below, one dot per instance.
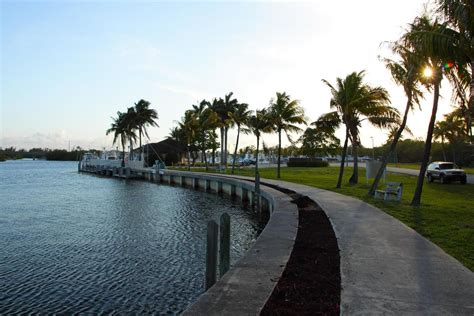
(445, 172)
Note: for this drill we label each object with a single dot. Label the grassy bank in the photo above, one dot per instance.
(446, 215)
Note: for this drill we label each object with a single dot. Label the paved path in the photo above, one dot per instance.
(387, 267)
(413, 172)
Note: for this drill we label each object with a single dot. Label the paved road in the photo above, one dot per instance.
(412, 172)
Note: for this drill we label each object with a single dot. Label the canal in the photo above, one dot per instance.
(80, 243)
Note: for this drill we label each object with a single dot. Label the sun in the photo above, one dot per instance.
(428, 72)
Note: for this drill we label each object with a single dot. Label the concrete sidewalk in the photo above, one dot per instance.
(387, 267)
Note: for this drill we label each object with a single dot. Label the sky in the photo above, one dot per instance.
(67, 67)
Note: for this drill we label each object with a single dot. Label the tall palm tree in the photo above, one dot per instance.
(217, 106)
(130, 122)
(229, 105)
(453, 41)
(259, 123)
(451, 129)
(458, 41)
(354, 102)
(190, 127)
(406, 74)
(222, 107)
(240, 117)
(419, 39)
(440, 131)
(144, 117)
(207, 122)
(118, 128)
(284, 115)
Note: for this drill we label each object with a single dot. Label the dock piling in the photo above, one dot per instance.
(211, 254)
(224, 248)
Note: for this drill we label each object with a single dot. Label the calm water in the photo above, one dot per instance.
(79, 243)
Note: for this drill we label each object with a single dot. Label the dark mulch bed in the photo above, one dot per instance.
(311, 282)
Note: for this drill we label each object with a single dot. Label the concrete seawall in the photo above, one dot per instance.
(246, 287)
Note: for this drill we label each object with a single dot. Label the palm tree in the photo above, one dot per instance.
(218, 108)
(207, 122)
(177, 134)
(405, 73)
(284, 114)
(421, 39)
(118, 128)
(451, 129)
(222, 107)
(457, 42)
(229, 105)
(130, 122)
(258, 124)
(240, 117)
(320, 139)
(440, 131)
(355, 102)
(189, 127)
(451, 41)
(144, 117)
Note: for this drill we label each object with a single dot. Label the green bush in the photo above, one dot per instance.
(306, 162)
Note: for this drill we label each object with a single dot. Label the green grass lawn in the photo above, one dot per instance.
(446, 215)
(416, 166)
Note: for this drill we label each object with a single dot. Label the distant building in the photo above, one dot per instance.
(169, 151)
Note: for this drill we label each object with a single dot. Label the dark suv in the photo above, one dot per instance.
(445, 172)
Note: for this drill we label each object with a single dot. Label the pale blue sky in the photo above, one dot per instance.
(67, 67)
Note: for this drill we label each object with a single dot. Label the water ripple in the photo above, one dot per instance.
(76, 243)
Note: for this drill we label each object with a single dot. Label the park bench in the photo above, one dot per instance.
(392, 192)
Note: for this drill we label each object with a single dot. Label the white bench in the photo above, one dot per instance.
(392, 192)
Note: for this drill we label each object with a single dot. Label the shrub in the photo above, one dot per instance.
(307, 162)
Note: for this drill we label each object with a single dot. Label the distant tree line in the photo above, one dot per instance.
(197, 128)
(11, 153)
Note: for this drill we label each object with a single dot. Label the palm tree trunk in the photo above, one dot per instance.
(123, 155)
(391, 150)
(222, 147)
(236, 146)
(189, 157)
(140, 139)
(442, 147)
(354, 179)
(130, 154)
(471, 103)
(256, 160)
(343, 158)
(426, 153)
(205, 159)
(453, 148)
(213, 156)
(225, 148)
(279, 153)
